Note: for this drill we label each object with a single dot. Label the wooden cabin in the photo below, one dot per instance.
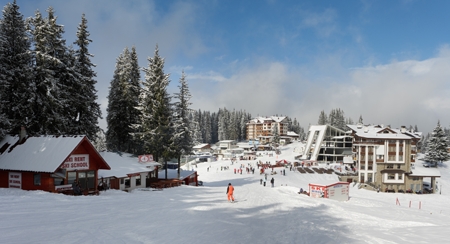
(49, 163)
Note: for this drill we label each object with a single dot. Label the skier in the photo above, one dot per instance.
(230, 190)
(272, 181)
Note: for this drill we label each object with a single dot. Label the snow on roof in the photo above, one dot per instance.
(173, 174)
(37, 154)
(266, 119)
(291, 133)
(124, 164)
(199, 146)
(375, 131)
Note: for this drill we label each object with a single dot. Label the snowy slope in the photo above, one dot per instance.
(202, 214)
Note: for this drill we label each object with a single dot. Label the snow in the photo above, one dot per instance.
(188, 214)
(49, 151)
(124, 164)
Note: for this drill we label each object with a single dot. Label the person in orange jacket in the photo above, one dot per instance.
(230, 190)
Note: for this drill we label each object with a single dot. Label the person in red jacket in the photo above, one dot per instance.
(230, 190)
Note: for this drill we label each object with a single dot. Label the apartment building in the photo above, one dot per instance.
(386, 157)
(261, 128)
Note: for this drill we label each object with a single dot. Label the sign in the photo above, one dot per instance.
(15, 180)
(134, 174)
(145, 158)
(63, 187)
(76, 162)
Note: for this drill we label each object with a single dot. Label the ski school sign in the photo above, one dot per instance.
(76, 162)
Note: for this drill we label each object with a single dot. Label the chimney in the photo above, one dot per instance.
(403, 129)
(22, 134)
(359, 126)
(366, 129)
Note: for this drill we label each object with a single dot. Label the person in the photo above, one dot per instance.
(260, 181)
(301, 191)
(76, 188)
(272, 181)
(264, 182)
(101, 185)
(230, 190)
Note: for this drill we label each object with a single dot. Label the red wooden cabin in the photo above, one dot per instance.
(49, 163)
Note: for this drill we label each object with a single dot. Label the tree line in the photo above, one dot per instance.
(47, 86)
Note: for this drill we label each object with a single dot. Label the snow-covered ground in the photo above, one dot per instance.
(202, 214)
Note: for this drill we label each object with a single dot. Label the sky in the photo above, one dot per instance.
(202, 215)
(386, 61)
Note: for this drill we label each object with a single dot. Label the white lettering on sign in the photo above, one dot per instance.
(76, 162)
(15, 180)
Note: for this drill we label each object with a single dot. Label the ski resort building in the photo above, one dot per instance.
(49, 163)
(261, 128)
(386, 158)
(127, 172)
(328, 144)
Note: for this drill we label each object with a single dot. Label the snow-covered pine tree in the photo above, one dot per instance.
(214, 128)
(340, 119)
(157, 112)
(207, 127)
(194, 126)
(332, 118)
(117, 119)
(360, 120)
(275, 133)
(437, 146)
(16, 76)
(87, 109)
(222, 124)
(323, 120)
(100, 141)
(51, 113)
(132, 103)
(182, 139)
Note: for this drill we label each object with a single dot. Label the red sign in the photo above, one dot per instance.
(76, 162)
(135, 174)
(145, 158)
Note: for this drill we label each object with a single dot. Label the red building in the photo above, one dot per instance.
(49, 163)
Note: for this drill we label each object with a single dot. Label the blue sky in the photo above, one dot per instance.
(385, 60)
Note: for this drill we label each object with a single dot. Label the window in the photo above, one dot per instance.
(127, 182)
(380, 157)
(37, 179)
(71, 176)
(392, 149)
(400, 158)
(391, 176)
(58, 181)
(138, 180)
(391, 157)
(400, 177)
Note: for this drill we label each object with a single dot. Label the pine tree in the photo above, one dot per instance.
(117, 134)
(182, 139)
(132, 96)
(100, 141)
(360, 121)
(87, 109)
(16, 77)
(322, 118)
(275, 133)
(156, 113)
(437, 146)
(51, 113)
